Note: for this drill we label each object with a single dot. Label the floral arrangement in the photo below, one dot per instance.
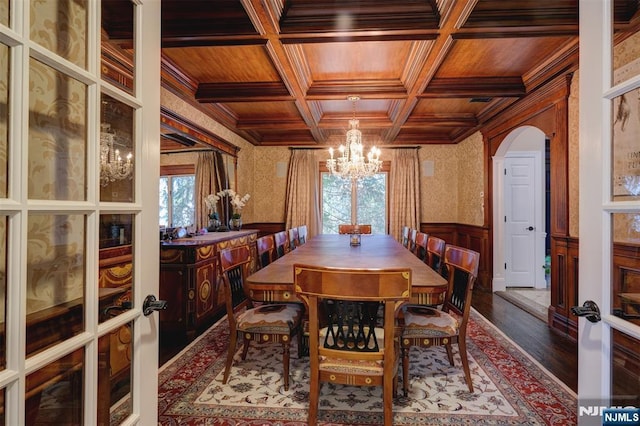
(211, 202)
(236, 201)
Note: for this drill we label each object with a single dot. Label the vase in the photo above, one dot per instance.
(214, 222)
(235, 224)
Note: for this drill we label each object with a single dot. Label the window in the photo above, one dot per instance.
(366, 202)
(177, 205)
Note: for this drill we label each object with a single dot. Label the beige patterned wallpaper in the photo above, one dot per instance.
(270, 167)
(627, 51)
(61, 27)
(574, 136)
(57, 135)
(4, 12)
(438, 191)
(471, 176)
(55, 260)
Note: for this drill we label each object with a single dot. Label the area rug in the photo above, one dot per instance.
(510, 388)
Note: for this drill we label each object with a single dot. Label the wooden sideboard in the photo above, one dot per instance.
(190, 280)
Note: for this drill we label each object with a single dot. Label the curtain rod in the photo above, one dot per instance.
(292, 148)
(180, 151)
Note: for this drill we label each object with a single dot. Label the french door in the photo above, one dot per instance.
(609, 277)
(78, 94)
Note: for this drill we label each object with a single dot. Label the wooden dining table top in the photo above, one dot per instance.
(274, 282)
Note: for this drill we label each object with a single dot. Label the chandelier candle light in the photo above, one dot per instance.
(350, 163)
(112, 166)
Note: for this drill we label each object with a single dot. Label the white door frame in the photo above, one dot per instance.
(596, 206)
(499, 231)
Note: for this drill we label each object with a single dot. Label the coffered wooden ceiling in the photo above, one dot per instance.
(278, 72)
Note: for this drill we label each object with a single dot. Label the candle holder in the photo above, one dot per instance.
(354, 239)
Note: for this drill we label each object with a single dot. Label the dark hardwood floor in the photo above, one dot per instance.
(556, 353)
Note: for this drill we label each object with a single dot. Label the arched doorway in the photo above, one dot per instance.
(520, 219)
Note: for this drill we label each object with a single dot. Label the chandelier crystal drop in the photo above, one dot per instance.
(350, 162)
(112, 166)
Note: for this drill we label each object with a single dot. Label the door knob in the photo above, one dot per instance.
(588, 310)
(531, 228)
(121, 307)
(151, 304)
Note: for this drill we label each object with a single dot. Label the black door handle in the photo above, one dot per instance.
(531, 228)
(151, 304)
(588, 310)
(121, 307)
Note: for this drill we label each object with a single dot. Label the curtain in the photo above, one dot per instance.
(303, 186)
(404, 187)
(210, 178)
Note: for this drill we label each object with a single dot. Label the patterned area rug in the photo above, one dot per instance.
(510, 388)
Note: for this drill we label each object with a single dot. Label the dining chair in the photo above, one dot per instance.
(302, 234)
(293, 238)
(281, 240)
(270, 323)
(266, 250)
(420, 249)
(426, 326)
(405, 236)
(435, 253)
(354, 229)
(351, 348)
(413, 234)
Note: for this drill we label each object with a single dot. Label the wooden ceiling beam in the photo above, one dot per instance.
(243, 92)
(471, 87)
(322, 16)
(441, 120)
(369, 89)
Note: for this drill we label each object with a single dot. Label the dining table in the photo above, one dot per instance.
(274, 282)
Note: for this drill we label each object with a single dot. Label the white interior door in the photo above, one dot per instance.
(75, 347)
(520, 221)
(609, 216)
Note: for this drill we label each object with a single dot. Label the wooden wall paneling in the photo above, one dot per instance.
(468, 236)
(626, 279)
(625, 272)
(564, 291)
(265, 228)
(446, 231)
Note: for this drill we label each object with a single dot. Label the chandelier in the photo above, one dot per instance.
(112, 166)
(350, 162)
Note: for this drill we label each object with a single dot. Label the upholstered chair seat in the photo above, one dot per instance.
(267, 320)
(424, 322)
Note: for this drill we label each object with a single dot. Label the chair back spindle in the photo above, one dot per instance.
(435, 253)
(266, 250)
(282, 243)
(302, 234)
(421, 246)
